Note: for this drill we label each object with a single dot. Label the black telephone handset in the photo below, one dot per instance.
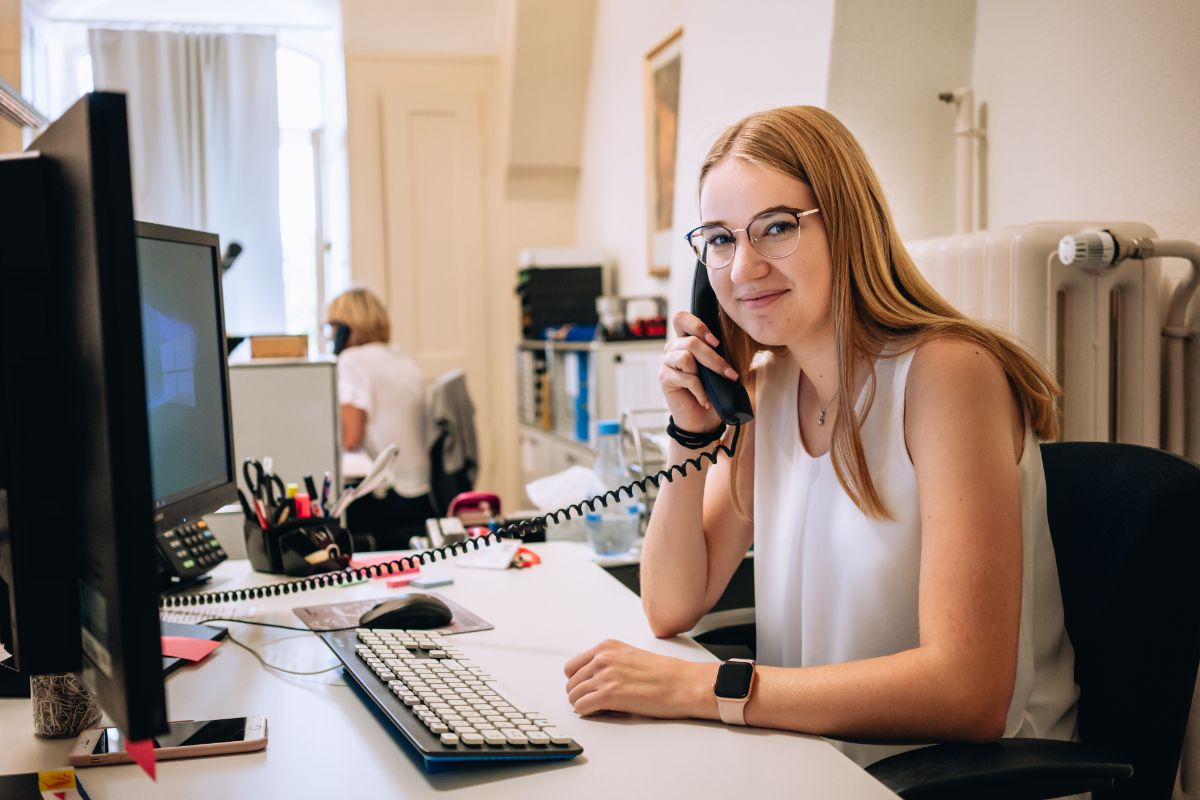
(728, 397)
(341, 335)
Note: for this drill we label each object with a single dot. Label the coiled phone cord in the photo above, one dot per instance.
(519, 530)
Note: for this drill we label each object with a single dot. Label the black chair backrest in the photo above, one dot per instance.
(1125, 521)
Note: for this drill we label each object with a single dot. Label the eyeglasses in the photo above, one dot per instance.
(772, 234)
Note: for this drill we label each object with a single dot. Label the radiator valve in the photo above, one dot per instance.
(1100, 249)
(1088, 250)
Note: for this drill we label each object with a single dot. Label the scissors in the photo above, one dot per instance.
(266, 486)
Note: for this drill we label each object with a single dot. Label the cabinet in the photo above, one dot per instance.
(565, 388)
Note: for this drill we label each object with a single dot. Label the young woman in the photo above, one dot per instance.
(382, 397)
(891, 480)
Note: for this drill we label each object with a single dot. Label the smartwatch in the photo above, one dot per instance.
(735, 679)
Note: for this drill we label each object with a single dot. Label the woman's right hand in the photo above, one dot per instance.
(678, 373)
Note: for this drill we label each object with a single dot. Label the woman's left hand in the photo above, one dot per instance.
(614, 676)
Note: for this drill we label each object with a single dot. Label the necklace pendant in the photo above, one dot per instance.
(821, 419)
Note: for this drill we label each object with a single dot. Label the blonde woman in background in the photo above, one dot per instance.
(891, 480)
(382, 399)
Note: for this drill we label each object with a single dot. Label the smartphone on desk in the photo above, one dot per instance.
(185, 739)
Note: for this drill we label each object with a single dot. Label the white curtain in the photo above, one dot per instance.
(204, 136)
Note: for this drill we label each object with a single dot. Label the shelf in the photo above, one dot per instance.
(592, 346)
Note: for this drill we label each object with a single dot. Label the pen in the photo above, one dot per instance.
(325, 496)
(311, 486)
(262, 516)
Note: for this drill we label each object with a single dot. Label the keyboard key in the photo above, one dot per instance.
(450, 739)
(557, 736)
(472, 739)
(492, 736)
(538, 738)
(514, 736)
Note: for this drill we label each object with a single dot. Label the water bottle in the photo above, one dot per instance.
(611, 530)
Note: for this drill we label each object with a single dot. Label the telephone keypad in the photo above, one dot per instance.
(192, 549)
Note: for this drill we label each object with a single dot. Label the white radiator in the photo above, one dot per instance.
(1100, 334)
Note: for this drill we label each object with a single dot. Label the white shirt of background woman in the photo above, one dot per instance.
(384, 382)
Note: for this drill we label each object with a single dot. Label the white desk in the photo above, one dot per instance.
(325, 743)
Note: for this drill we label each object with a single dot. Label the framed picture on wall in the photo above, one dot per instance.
(661, 78)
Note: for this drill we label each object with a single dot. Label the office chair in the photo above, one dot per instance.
(453, 457)
(1123, 520)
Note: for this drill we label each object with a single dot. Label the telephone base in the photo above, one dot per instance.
(170, 584)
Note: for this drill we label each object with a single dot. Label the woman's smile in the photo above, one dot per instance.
(761, 299)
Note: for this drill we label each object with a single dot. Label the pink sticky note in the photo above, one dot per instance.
(190, 649)
(142, 752)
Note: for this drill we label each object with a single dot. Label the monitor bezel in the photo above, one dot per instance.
(191, 508)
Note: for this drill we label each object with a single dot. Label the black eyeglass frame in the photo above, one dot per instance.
(797, 213)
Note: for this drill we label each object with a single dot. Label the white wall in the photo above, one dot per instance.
(612, 180)
(889, 62)
(444, 27)
(736, 59)
(1092, 111)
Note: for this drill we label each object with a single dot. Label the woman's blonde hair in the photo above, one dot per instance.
(364, 314)
(879, 296)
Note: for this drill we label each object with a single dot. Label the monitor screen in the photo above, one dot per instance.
(184, 343)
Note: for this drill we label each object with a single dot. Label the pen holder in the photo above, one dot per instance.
(299, 547)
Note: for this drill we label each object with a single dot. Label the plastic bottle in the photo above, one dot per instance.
(614, 529)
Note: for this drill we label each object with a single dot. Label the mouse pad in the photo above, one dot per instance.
(346, 615)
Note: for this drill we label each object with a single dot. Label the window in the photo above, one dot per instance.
(300, 201)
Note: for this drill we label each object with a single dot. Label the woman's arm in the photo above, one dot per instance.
(963, 430)
(695, 539)
(354, 424)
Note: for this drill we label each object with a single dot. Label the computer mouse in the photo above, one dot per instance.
(416, 611)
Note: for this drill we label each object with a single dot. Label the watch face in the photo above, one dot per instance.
(733, 680)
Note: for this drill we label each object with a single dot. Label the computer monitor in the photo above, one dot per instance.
(187, 380)
(77, 552)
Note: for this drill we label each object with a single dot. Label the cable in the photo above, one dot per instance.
(274, 625)
(517, 530)
(263, 661)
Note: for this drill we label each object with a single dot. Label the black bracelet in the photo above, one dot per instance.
(693, 441)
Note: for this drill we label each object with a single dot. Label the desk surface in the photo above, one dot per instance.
(324, 742)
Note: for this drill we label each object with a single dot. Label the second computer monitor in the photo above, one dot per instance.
(187, 381)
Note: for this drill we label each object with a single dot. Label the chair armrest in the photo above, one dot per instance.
(1010, 769)
(719, 620)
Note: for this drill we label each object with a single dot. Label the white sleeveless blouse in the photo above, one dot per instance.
(833, 585)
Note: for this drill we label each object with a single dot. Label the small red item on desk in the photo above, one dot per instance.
(186, 648)
(303, 505)
(525, 558)
(142, 752)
